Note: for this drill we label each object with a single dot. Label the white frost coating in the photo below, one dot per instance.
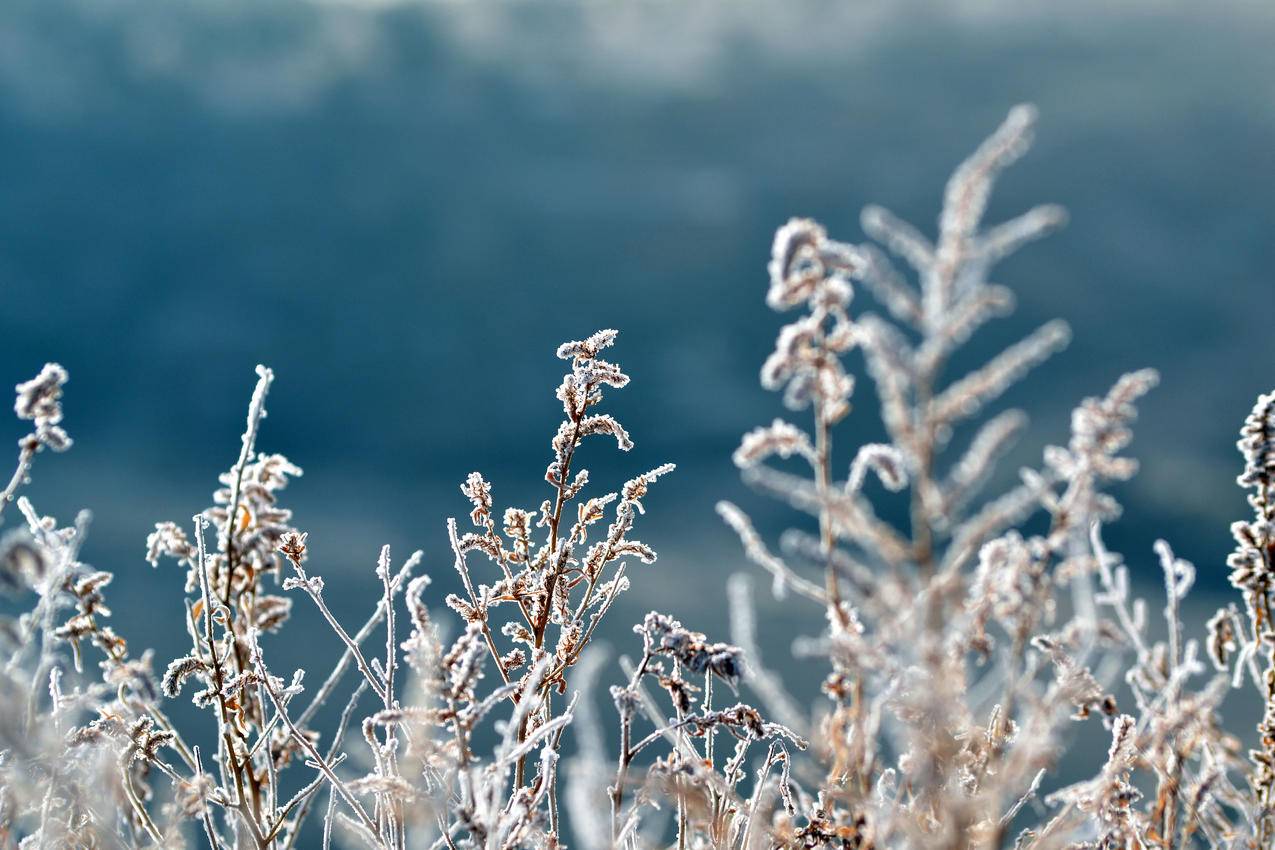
(957, 638)
(969, 395)
(950, 676)
(886, 461)
(779, 438)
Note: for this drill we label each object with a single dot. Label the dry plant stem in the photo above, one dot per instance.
(249, 814)
(138, 808)
(542, 622)
(40, 618)
(304, 743)
(823, 472)
(462, 567)
(710, 760)
(205, 817)
(679, 782)
(334, 678)
(256, 410)
(25, 455)
(756, 551)
(552, 792)
(333, 751)
(555, 521)
(627, 751)
(351, 646)
(388, 702)
(285, 810)
(922, 531)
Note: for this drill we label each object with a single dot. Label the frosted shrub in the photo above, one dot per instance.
(956, 670)
(963, 648)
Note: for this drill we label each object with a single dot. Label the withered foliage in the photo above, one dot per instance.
(963, 648)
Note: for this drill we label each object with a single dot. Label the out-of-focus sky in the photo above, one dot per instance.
(403, 209)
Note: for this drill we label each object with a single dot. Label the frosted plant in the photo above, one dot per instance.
(1250, 646)
(961, 648)
(557, 572)
(956, 667)
(708, 797)
(546, 596)
(40, 401)
(80, 755)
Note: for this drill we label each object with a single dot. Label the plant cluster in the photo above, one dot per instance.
(963, 647)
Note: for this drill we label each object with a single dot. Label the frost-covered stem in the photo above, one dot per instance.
(1120, 601)
(46, 806)
(553, 799)
(384, 569)
(178, 743)
(328, 817)
(1006, 724)
(272, 776)
(1012, 665)
(333, 749)
(338, 671)
(41, 619)
(718, 804)
(1259, 606)
(304, 743)
(603, 606)
(206, 818)
(860, 723)
(1170, 788)
(823, 479)
(555, 521)
(542, 621)
(306, 793)
(1257, 437)
(679, 783)
(621, 776)
(712, 730)
(758, 788)
(554, 824)
(627, 750)
(923, 454)
(351, 646)
(210, 641)
(503, 562)
(591, 584)
(138, 808)
(823, 484)
(256, 411)
(756, 551)
(226, 741)
(462, 746)
(462, 567)
(25, 456)
(396, 804)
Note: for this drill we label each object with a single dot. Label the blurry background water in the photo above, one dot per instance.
(403, 209)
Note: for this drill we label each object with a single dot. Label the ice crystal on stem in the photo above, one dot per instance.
(39, 401)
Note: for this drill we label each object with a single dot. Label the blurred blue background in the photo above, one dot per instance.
(403, 209)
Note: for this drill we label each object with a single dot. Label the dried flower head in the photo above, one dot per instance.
(40, 399)
(691, 649)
